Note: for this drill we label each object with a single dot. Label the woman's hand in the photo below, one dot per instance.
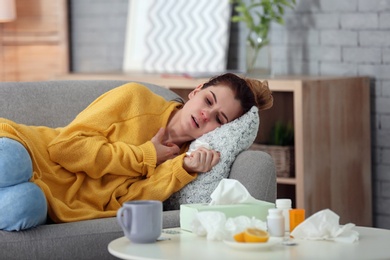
(164, 151)
(201, 160)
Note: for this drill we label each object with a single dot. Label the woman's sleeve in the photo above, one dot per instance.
(161, 183)
(83, 145)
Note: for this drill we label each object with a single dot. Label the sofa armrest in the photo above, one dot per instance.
(171, 219)
(256, 171)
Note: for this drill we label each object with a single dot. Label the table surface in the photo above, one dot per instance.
(373, 244)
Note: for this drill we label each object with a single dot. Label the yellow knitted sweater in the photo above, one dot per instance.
(104, 157)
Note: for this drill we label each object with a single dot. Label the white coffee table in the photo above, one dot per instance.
(373, 244)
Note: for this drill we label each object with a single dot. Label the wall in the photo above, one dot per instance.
(348, 37)
(97, 31)
(321, 37)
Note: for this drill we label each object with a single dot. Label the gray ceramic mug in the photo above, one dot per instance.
(141, 220)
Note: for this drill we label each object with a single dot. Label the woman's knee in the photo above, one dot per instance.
(22, 206)
(15, 163)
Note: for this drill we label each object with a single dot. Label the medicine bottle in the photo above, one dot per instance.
(297, 216)
(285, 206)
(275, 223)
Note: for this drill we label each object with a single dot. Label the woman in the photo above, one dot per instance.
(128, 144)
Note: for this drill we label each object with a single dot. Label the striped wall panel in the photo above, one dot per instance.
(184, 36)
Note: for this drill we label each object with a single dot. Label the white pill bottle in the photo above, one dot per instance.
(285, 206)
(275, 223)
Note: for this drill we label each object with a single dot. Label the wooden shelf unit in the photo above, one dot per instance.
(35, 46)
(331, 118)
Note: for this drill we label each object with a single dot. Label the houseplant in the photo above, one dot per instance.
(282, 134)
(258, 16)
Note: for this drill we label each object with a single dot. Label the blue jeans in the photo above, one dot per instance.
(22, 203)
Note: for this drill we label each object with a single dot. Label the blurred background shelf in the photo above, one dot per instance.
(288, 181)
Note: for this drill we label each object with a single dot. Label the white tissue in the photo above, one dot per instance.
(324, 225)
(215, 226)
(230, 191)
(196, 145)
(210, 223)
(214, 223)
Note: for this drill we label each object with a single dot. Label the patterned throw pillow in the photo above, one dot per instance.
(229, 139)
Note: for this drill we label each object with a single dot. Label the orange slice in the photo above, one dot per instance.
(254, 235)
(239, 237)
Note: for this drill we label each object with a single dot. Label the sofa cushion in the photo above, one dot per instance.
(229, 139)
(57, 103)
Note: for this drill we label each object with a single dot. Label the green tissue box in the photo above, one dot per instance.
(258, 210)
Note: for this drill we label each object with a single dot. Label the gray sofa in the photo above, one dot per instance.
(56, 103)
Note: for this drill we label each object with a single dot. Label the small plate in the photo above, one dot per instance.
(253, 246)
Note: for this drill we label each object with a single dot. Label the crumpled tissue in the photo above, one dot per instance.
(195, 145)
(324, 225)
(214, 224)
(230, 191)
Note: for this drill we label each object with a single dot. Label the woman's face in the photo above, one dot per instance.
(208, 109)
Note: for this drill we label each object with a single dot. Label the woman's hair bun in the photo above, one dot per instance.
(262, 93)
